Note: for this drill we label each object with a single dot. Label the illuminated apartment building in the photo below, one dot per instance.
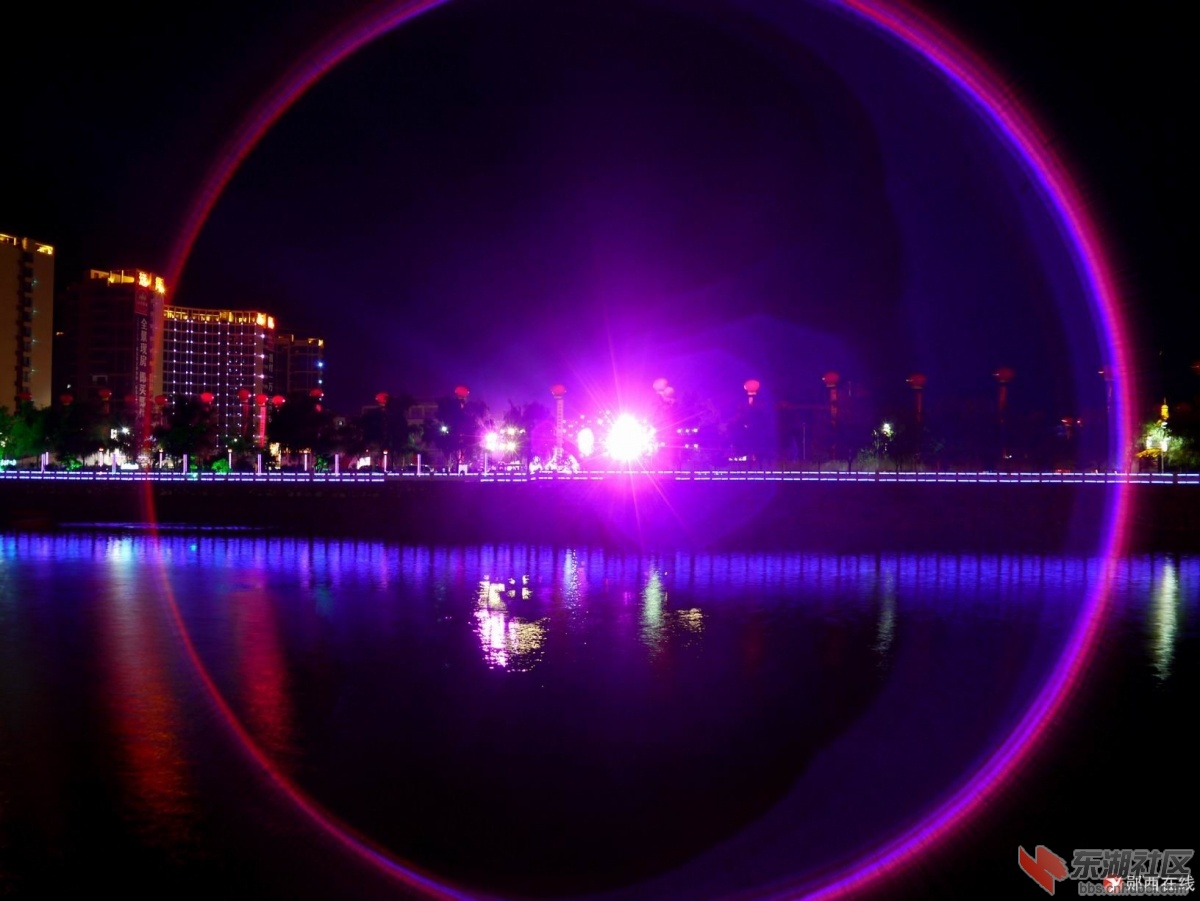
(108, 341)
(26, 320)
(299, 364)
(222, 353)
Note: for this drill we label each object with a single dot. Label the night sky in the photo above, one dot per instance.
(512, 194)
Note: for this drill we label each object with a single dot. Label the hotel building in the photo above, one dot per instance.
(222, 353)
(108, 339)
(299, 364)
(26, 321)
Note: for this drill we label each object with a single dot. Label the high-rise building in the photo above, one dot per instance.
(26, 320)
(108, 334)
(229, 354)
(299, 364)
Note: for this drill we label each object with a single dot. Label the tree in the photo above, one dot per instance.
(1161, 448)
(346, 437)
(386, 427)
(188, 428)
(457, 428)
(23, 432)
(302, 424)
(73, 431)
(519, 426)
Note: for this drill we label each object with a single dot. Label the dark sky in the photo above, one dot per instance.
(512, 194)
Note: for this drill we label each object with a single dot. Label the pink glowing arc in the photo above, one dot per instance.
(995, 103)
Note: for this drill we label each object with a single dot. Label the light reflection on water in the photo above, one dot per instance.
(611, 716)
(1166, 618)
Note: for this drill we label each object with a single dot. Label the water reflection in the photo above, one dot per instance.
(141, 701)
(508, 641)
(684, 718)
(1165, 618)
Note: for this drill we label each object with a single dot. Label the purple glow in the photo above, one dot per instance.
(629, 440)
(995, 102)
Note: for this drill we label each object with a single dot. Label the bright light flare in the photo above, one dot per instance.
(629, 439)
(490, 442)
(586, 441)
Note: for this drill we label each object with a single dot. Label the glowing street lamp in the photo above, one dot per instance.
(751, 387)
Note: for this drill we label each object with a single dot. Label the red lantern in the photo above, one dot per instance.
(831, 379)
(161, 400)
(660, 385)
(66, 399)
(243, 395)
(1004, 375)
(752, 386)
(278, 400)
(381, 398)
(207, 397)
(104, 394)
(25, 396)
(558, 390)
(260, 399)
(316, 393)
(461, 392)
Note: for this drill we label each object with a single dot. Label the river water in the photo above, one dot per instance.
(220, 713)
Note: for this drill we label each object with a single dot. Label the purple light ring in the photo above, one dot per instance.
(1001, 110)
(1010, 121)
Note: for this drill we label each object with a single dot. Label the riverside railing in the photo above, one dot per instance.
(714, 475)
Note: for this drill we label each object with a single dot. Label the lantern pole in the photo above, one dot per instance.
(1003, 376)
(558, 392)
